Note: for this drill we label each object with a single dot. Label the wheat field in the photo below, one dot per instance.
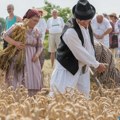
(104, 104)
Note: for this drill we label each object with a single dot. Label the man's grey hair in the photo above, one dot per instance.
(54, 10)
(10, 5)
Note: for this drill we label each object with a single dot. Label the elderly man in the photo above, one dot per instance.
(75, 53)
(101, 29)
(10, 20)
(55, 25)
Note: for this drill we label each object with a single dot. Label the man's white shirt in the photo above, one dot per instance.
(100, 28)
(55, 25)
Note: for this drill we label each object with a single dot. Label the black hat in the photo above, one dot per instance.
(83, 10)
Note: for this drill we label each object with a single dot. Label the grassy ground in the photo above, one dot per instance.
(47, 71)
(1, 46)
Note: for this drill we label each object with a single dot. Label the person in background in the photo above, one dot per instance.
(113, 34)
(0, 31)
(10, 20)
(106, 16)
(0, 27)
(30, 75)
(55, 26)
(42, 27)
(117, 30)
(101, 29)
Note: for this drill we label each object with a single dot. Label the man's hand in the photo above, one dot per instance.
(99, 36)
(96, 36)
(101, 68)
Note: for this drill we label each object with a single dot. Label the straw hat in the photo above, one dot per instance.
(113, 15)
(43, 11)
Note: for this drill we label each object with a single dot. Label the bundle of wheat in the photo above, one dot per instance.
(7, 55)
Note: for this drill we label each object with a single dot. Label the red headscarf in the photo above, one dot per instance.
(31, 13)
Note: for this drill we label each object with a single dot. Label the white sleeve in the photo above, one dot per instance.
(44, 28)
(73, 42)
(44, 25)
(93, 25)
(37, 26)
(117, 29)
(62, 23)
(107, 23)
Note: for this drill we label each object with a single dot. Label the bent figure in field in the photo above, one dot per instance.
(112, 74)
(103, 55)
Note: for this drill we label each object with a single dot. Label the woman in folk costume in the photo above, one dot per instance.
(30, 75)
(76, 53)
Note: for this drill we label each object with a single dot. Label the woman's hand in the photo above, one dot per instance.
(35, 58)
(19, 45)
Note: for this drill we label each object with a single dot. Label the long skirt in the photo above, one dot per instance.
(29, 76)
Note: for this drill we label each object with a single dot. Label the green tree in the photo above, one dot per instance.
(2, 21)
(63, 12)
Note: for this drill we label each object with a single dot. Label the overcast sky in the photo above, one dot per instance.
(21, 6)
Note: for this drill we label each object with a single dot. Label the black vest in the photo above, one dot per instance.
(64, 55)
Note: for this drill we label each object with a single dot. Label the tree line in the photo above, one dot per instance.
(65, 13)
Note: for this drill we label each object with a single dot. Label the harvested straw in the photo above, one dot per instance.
(11, 52)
